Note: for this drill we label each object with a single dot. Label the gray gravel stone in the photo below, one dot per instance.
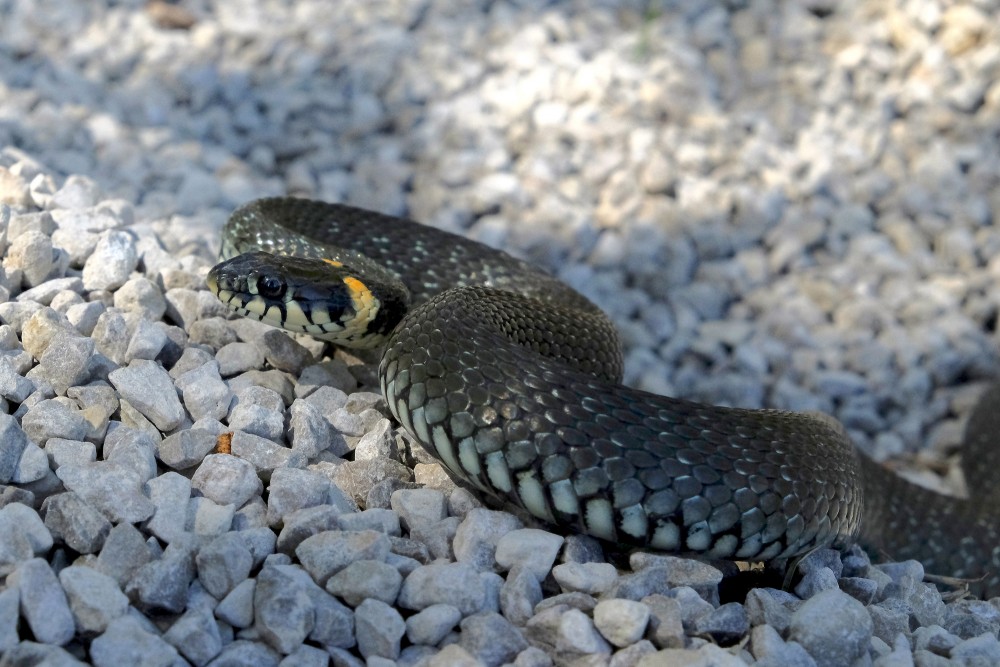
(725, 625)
(519, 595)
(310, 432)
(593, 578)
(65, 362)
(283, 353)
(283, 613)
(74, 522)
(479, 634)
(223, 564)
(430, 625)
(621, 622)
(303, 523)
(169, 493)
(293, 489)
(236, 608)
(116, 491)
(94, 598)
(207, 518)
(833, 627)
(327, 553)
(162, 584)
(418, 508)
(13, 386)
(146, 386)
(24, 536)
(238, 357)
(265, 455)
(531, 548)
(455, 584)
(478, 534)
(141, 296)
(123, 553)
(379, 629)
(366, 579)
(13, 441)
(195, 635)
(127, 642)
(186, 449)
(113, 260)
(226, 479)
(31, 253)
(245, 652)
(43, 602)
(10, 605)
(204, 392)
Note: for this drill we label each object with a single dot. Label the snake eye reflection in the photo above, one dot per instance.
(270, 286)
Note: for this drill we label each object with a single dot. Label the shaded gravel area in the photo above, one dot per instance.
(784, 205)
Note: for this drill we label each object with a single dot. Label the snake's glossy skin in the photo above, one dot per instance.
(512, 380)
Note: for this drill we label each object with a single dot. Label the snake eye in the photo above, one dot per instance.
(270, 286)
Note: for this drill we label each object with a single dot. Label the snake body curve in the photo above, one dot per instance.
(512, 380)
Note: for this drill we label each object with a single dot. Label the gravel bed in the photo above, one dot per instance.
(785, 205)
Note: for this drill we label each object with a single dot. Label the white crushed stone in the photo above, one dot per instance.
(788, 205)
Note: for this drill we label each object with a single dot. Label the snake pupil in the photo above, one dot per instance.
(270, 287)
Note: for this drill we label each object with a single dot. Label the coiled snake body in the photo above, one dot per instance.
(512, 380)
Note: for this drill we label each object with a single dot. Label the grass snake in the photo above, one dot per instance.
(513, 381)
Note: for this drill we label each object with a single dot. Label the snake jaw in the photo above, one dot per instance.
(319, 297)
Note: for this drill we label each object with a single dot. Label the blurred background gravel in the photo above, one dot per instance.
(784, 204)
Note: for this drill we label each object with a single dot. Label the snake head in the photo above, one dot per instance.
(323, 298)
